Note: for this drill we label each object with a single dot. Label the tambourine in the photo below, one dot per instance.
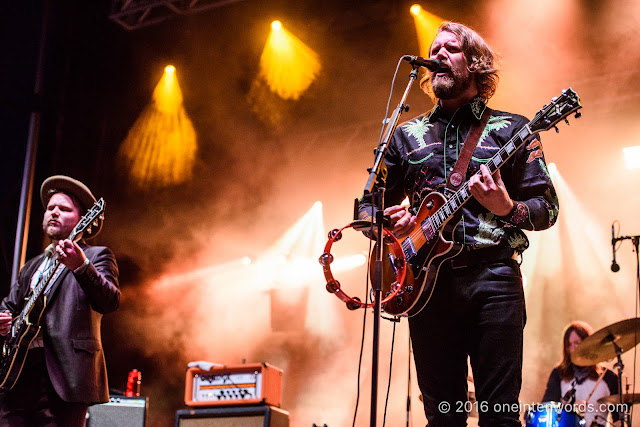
(399, 265)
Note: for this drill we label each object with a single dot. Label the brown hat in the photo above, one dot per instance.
(65, 184)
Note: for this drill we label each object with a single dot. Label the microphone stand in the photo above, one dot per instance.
(377, 177)
(635, 240)
(624, 414)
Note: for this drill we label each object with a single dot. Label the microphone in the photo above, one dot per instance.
(614, 265)
(430, 64)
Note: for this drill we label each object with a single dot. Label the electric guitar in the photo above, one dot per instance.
(425, 248)
(25, 327)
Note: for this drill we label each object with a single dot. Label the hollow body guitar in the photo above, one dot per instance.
(26, 325)
(430, 243)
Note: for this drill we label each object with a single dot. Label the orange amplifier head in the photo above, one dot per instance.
(247, 384)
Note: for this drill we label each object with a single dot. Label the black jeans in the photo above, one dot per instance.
(34, 402)
(477, 311)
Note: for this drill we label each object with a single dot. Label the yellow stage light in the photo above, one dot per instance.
(426, 27)
(287, 65)
(632, 157)
(160, 148)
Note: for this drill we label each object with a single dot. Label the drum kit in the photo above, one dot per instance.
(606, 344)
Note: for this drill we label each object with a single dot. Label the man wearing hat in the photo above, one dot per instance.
(65, 369)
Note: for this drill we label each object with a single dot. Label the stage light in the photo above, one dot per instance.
(287, 65)
(632, 157)
(202, 274)
(305, 238)
(426, 27)
(160, 148)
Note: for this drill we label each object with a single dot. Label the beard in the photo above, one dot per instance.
(57, 231)
(451, 85)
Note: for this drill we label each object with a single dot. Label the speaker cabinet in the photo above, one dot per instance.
(120, 411)
(239, 416)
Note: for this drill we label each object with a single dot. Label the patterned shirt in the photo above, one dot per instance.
(424, 150)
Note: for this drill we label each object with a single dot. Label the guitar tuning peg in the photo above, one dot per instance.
(578, 115)
(567, 121)
(89, 230)
(556, 128)
(95, 223)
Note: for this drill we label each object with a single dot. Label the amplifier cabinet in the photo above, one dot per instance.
(240, 416)
(246, 384)
(120, 411)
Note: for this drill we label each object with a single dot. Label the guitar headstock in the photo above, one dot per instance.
(89, 219)
(558, 109)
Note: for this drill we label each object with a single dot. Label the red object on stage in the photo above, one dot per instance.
(133, 383)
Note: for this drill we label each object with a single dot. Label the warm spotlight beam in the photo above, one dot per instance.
(287, 65)
(632, 157)
(204, 273)
(426, 26)
(160, 148)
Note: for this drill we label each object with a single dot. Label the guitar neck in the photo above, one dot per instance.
(39, 288)
(463, 194)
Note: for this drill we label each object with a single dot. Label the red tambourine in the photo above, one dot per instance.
(333, 286)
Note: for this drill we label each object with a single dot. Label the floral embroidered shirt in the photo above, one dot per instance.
(421, 156)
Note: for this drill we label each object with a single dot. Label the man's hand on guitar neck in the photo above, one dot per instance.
(5, 322)
(70, 254)
(402, 222)
(491, 192)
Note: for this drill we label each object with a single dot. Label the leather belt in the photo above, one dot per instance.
(479, 257)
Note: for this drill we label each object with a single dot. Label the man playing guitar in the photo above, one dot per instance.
(477, 306)
(53, 365)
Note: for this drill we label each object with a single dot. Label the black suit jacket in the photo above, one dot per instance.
(71, 323)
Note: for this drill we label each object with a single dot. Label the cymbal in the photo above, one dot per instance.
(599, 347)
(614, 399)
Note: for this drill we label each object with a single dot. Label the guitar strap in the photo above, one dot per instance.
(459, 172)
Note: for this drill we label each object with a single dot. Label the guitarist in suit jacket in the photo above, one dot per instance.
(64, 371)
(477, 307)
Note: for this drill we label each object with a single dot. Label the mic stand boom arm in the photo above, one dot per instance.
(392, 123)
(378, 175)
(636, 243)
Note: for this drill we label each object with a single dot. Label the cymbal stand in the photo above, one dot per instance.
(622, 412)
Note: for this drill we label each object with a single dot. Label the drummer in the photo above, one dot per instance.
(582, 385)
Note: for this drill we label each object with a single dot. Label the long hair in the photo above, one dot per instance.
(480, 57)
(565, 368)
